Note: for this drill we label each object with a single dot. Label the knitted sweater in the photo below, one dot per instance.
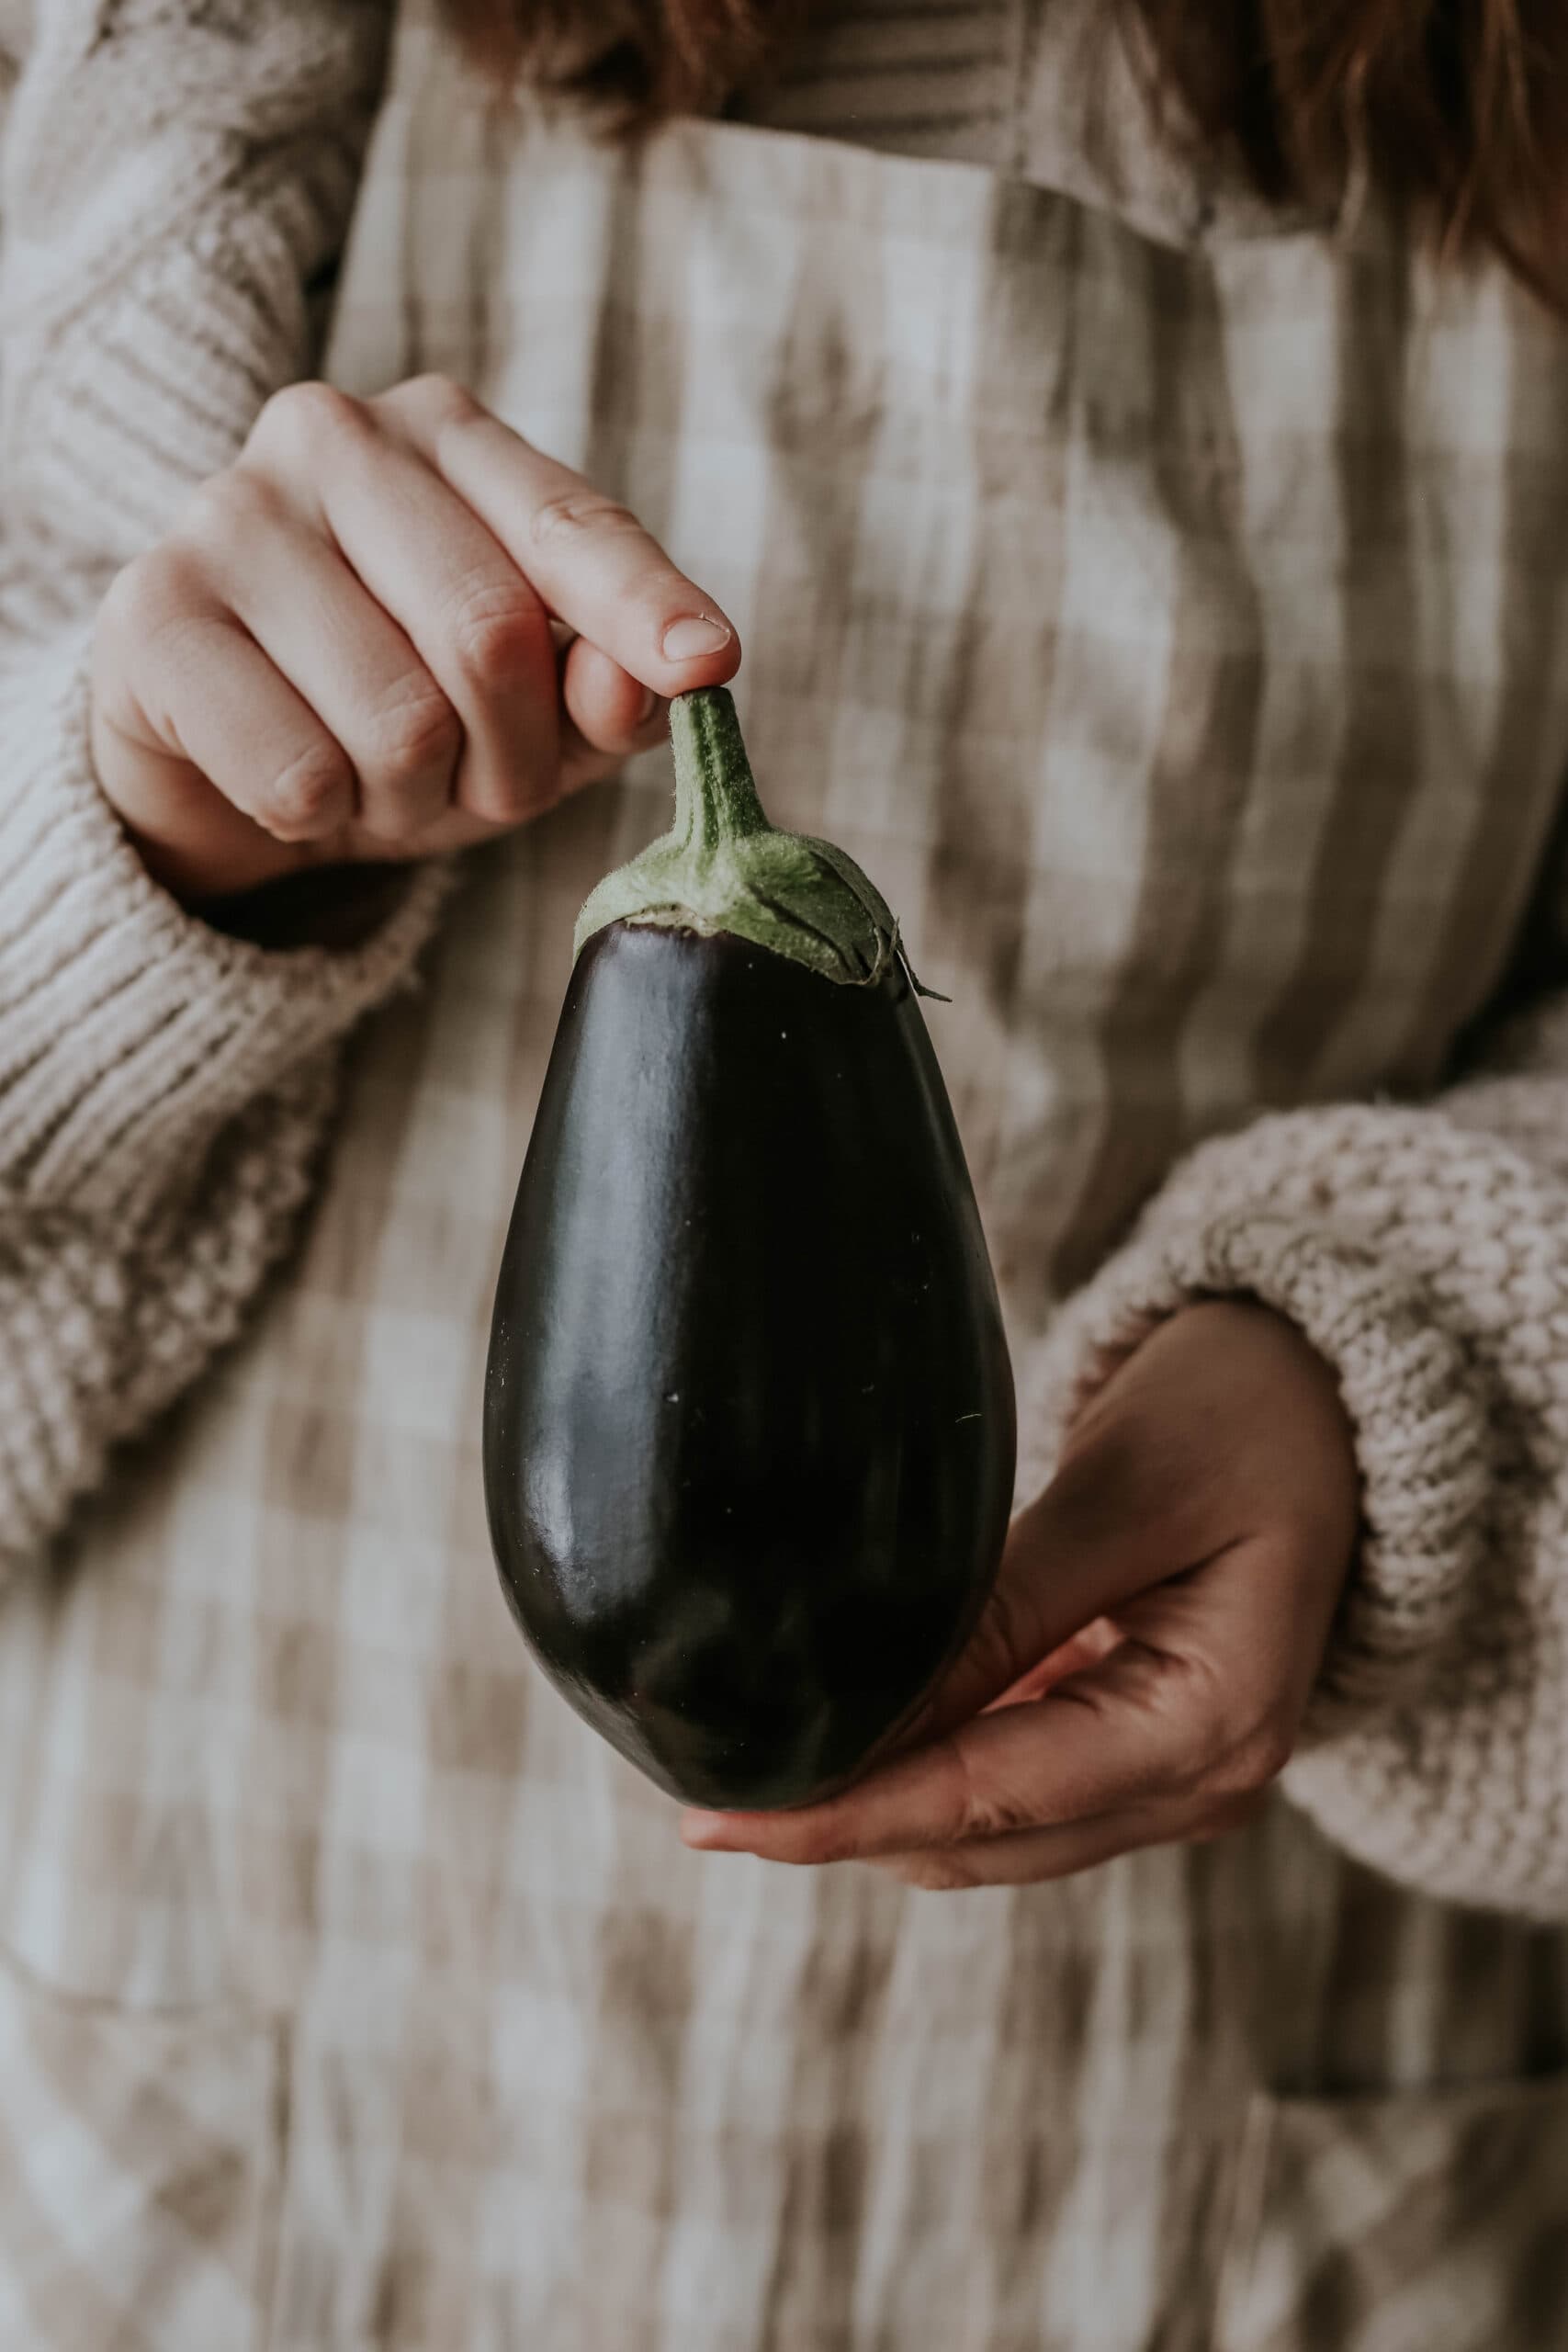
(172, 185)
(175, 181)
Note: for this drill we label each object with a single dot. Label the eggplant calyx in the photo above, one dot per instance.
(723, 867)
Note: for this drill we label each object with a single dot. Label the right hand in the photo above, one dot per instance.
(391, 627)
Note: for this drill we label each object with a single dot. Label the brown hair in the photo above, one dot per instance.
(1458, 106)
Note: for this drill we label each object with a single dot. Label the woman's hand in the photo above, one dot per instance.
(1154, 1634)
(391, 627)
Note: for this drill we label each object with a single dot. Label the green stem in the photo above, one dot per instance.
(715, 793)
(723, 868)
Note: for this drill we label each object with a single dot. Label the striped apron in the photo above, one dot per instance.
(1173, 626)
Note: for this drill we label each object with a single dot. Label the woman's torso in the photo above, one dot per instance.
(1164, 604)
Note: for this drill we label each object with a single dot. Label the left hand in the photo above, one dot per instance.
(1142, 1669)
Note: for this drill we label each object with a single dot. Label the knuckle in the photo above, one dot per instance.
(1257, 1758)
(227, 507)
(154, 611)
(511, 796)
(416, 733)
(433, 399)
(1243, 1745)
(304, 420)
(1210, 1748)
(569, 517)
(985, 1808)
(931, 1873)
(496, 636)
(1186, 1718)
(146, 595)
(307, 796)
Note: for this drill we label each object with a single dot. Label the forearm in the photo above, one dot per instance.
(171, 187)
(1424, 1252)
(165, 1088)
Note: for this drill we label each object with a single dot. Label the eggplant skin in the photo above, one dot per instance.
(748, 1422)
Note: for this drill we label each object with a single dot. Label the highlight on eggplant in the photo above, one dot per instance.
(749, 1421)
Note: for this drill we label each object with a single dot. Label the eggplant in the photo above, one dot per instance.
(749, 1421)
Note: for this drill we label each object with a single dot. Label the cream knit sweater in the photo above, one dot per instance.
(177, 179)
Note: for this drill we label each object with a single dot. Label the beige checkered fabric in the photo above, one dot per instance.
(1175, 636)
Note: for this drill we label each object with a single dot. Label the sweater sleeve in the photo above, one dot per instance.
(175, 179)
(1424, 1251)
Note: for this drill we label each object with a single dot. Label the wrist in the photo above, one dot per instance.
(1421, 1434)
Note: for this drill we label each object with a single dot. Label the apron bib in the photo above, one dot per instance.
(1175, 639)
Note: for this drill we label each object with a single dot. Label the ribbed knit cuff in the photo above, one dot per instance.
(129, 1030)
(1422, 1436)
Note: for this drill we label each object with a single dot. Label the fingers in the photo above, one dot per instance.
(1029, 1857)
(1080, 1752)
(391, 627)
(1073, 1557)
(1172, 1712)
(609, 713)
(1179, 1457)
(590, 560)
(338, 646)
(1154, 1634)
(480, 629)
(472, 541)
(207, 697)
(1081, 1650)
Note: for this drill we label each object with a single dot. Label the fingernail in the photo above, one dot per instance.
(689, 639)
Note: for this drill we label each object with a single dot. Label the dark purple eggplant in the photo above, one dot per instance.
(749, 1427)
